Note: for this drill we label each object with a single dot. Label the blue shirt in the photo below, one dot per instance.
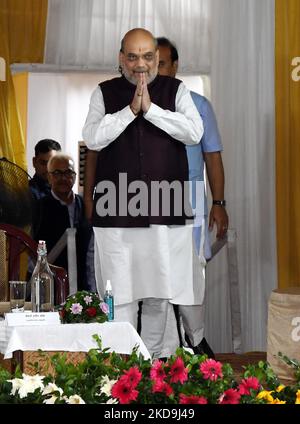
(210, 142)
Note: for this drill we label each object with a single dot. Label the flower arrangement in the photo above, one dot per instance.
(109, 378)
(83, 306)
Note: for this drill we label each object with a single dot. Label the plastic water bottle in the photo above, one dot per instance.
(109, 299)
(42, 282)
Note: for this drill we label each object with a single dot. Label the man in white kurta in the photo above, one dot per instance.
(150, 262)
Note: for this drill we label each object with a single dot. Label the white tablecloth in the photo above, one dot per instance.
(120, 337)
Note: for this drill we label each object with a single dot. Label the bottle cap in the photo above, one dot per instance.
(108, 285)
(42, 249)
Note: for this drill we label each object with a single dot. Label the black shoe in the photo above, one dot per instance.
(163, 359)
(202, 348)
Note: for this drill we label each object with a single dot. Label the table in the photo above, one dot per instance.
(120, 337)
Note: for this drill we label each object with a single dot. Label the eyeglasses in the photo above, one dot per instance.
(68, 173)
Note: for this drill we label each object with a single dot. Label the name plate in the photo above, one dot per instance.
(32, 318)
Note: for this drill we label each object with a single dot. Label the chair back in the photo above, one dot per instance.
(16, 250)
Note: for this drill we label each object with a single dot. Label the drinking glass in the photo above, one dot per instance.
(17, 292)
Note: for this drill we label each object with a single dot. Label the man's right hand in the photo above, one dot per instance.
(136, 104)
(146, 101)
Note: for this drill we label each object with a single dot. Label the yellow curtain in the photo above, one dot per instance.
(22, 37)
(288, 142)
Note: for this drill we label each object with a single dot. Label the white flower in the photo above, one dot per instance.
(75, 399)
(52, 387)
(27, 384)
(112, 401)
(51, 400)
(16, 384)
(88, 299)
(106, 385)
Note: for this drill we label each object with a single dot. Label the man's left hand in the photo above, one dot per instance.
(218, 216)
(146, 101)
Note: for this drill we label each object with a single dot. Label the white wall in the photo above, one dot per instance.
(57, 107)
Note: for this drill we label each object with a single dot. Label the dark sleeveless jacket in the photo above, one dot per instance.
(143, 151)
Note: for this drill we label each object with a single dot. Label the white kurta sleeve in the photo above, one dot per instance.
(101, 129)
(185, 124)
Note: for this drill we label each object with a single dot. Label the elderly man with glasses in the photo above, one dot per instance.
(63, 209)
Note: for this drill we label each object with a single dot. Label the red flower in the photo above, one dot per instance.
(167, 389)
(124, 392)
(247, 384)
(230, 397)
(157, 371)
(161, 386)
(91, 311)
(178, 372)
(211, 369)
(133, 376)
(62, 313)
(192, 399)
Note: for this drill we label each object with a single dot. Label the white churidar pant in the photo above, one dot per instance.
(156, 263)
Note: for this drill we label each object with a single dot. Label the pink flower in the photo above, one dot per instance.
(247, 384)
(178, 372)
(211, 369)
(157, 371)
(161, 386)
(133, 376)
(104, 307)
(76, 308)
(230, 397)
(192, 399)
(122, 391)
(158, 386)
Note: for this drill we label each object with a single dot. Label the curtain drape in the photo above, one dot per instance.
(242, 81)
(288, 141)
(88, 32)
(22, 24)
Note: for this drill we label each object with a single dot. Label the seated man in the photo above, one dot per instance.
(44, 150)
(63, 209)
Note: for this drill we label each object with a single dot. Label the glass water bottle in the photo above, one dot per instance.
(42, 282)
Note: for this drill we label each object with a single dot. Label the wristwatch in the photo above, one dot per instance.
(219, 202)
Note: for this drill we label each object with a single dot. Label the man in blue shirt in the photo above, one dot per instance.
(208, 151)
(44, 150)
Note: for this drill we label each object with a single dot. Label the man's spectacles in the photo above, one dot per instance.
(68, 173)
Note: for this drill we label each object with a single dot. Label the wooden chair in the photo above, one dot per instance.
(13, 244)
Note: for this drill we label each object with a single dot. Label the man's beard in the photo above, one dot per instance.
(150, 76)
